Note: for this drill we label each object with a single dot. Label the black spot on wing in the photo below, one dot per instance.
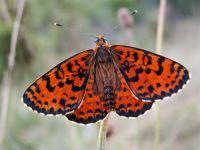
(140, 88)
(54, 100)
(63, 102)
(77, 88)
(172, 69)
(49, 87)
(73, 98)
(150, 88)
(130, 79)
(69, 67)
(31, 91)
(128, 112)
(61, 84)
(99, 115)
(59, 73)
(139, 70)
(127, 54)
(148, 71)
(135, 55)
(158, 85)
(160, 61)
(178, 85)
(37, 89)
(42, 110)
(146, 57)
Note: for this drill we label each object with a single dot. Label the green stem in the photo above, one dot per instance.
(102, 134)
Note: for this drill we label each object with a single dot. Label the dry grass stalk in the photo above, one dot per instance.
(101, 143)
(7, 78)
(5, 13)
(159, 43)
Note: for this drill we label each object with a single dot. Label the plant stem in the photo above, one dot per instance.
(7, 78)
(102, 134)
(160, 28)
(5, 13)
(157, 129)
(159, 43)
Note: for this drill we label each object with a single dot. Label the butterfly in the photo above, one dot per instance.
(91, 84)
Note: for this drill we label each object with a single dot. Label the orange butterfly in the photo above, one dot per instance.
(89, 85)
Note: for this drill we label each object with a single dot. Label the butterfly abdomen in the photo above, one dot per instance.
(109, 97)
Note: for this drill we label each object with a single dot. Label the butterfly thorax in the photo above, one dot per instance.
(106, 81)
(101, 41)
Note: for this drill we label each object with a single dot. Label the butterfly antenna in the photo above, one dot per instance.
(58, 25)
(68, 28)
(115, 27)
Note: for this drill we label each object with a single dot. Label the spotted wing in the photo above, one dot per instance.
(92, 109)
(60, 90)
(126, 103)
(149, 76)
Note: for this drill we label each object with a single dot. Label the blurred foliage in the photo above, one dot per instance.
(130, 4)
(5, 32)
(23, 52)
(185, 7)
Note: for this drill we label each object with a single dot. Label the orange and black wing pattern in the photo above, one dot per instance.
(126, 103)
(149, 76)
(92, 109)
(60, 90)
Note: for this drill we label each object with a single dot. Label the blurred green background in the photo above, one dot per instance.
(41, 46)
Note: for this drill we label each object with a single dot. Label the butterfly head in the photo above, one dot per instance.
(100, 41)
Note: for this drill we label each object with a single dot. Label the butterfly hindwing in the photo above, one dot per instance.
(126, 103)
(60, 90)
(92, 109)
(149, 76)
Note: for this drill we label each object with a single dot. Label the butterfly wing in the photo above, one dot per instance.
(60, 90)
(149, 76)
(126, 103)
(92, 109)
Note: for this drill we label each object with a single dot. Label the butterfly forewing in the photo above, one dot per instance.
(149, 76)
(60, 90)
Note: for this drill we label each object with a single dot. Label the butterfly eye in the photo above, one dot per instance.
(97, 40)
(104, 40)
